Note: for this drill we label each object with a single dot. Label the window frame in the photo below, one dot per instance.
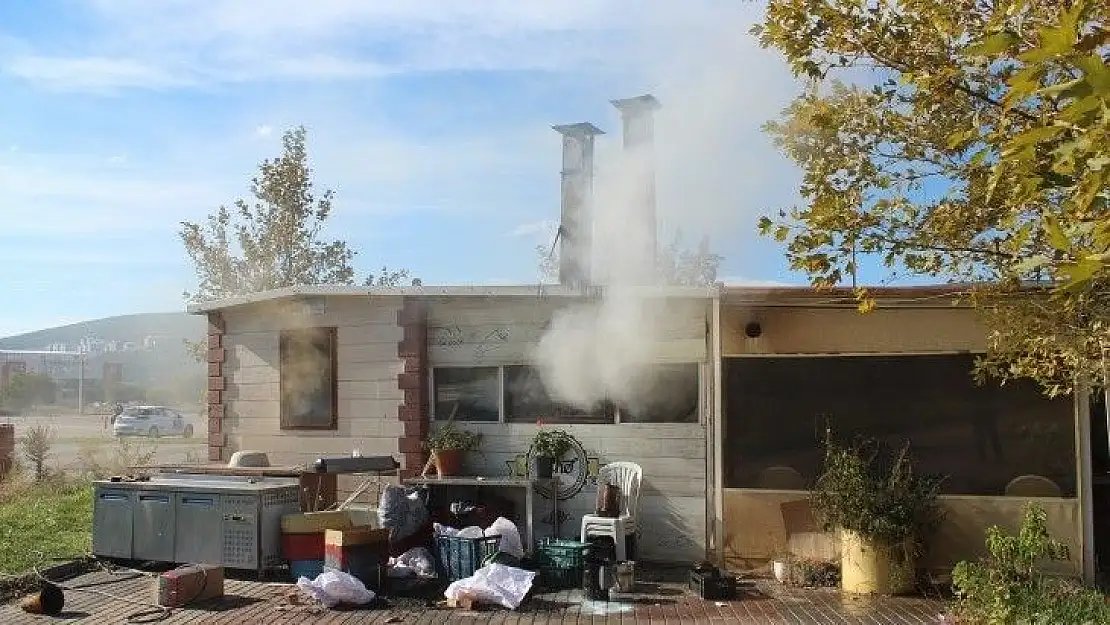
(333, 339)
(502, 416)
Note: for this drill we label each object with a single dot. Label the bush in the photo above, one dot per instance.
(1007, 587)
(36, 448)
(96, 464)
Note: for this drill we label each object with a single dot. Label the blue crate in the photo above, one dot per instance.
(305, 568)
(457, 558)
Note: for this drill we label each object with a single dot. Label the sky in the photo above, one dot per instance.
(430, 119)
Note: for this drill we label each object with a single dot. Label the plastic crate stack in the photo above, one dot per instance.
(302, 540)
(561, 562)
(458, 558)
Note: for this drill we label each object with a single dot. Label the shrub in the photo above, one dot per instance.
(95, 464)
(36, 447)
(1007, 587)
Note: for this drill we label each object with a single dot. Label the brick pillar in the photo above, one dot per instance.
(7, 448)
(217, 355)
(413, 412)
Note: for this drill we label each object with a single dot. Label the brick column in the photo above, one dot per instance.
(413, 381)
(7, 448)
(217, 355)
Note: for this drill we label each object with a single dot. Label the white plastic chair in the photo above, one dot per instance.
(627, 476)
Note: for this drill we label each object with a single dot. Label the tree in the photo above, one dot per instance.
(677, 265)
(277, 237)
(976, 152)
(391, 278)
(27, 390)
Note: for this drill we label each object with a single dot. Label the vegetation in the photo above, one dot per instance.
(677, 265)
(449, 436)
(97, 462)
(36, 445)
(874, 492)
(52, 518)
(967, 142)
(27, 390)
(1006, 587)
(552, 443)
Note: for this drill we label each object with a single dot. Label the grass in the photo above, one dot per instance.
(52, 519)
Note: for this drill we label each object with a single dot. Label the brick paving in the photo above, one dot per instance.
(660, 599)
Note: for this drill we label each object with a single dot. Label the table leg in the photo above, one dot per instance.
(528, 521)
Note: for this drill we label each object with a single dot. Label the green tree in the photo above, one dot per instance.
(391, 278)
(967, 141)
(27, 390)
(273, 241)
(677, 265)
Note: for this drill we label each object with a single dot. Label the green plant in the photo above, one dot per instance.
(36, 447)
(874, 492)
(813, 573)
(448, 437)
(121, 456)
(552, 443)
(1007, 586)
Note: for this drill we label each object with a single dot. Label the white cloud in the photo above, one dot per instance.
(543, 229)
(96, 74)
(263, 130)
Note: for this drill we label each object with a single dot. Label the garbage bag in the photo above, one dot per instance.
(444, 530)
(415, 561)
(402, 512)
(510, 536)
(471, 532)
(498, 584)
(332, 588)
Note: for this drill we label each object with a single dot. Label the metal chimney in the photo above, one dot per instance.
(576, 223)
(638, 124)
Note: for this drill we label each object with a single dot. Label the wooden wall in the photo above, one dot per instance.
(756, 530)
(504, 331)
(843, 330)
(367, 336)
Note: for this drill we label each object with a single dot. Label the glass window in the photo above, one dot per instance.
(666, 394)
(527, 400)
(467, 393)
(308, 379)
(978, 437)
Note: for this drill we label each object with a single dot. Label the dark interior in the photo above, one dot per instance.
(978, 437)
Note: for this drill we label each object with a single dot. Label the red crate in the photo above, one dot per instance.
(302, 546)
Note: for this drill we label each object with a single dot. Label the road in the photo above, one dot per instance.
(81, 435)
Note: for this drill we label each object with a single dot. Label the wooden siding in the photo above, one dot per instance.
(367, 380)
(673, 456)
(839, 330)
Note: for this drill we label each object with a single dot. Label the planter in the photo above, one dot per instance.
(448, 462)
(869, 568)
(782, 570)
(545, 467)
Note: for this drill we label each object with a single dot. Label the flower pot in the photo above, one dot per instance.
(545, 467)
(782, 570)
(870, 568)
(448, 462)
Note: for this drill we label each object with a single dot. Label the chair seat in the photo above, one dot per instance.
(593, 521)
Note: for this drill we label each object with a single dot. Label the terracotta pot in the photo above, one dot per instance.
(545, 467)
(448, 462)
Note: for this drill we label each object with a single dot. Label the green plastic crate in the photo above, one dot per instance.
(560, 562)
(460, 557)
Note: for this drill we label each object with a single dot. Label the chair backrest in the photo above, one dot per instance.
(1033, 486)
(626, 475)
(781, 478)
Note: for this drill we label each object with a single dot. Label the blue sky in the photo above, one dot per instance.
(430, 120)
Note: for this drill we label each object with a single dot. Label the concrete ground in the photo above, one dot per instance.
(660, 597)
(74, 433)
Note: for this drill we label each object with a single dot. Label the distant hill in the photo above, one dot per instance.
(155, 353)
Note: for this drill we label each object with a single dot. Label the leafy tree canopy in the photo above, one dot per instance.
(965, 140)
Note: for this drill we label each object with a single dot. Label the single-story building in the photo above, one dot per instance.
(754, 375)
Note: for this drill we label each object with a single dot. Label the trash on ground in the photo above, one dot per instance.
(333, 588)
(495, 584)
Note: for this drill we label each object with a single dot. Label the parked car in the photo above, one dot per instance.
(152, 421)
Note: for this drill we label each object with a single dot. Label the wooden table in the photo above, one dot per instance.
(528, 484)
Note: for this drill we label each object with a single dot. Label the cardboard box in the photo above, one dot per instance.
(188, 584)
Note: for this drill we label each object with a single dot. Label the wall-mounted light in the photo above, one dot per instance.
(753, 330)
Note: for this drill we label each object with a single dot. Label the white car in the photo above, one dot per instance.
(152, 421)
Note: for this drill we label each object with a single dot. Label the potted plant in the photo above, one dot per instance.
(883, 510)
(447, 444)
(548, 447)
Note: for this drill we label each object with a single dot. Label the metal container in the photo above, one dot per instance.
(230, 521)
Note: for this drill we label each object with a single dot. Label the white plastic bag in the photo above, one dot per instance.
(444, 530)
(332, 588)
(417, 560)
(510, 536)
(503, 585)
(470, 532)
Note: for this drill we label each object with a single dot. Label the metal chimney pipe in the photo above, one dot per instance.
(638, 124)
(576, 223)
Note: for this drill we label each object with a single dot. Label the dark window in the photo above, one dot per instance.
(527, 400)
(664, 394)
(308, 379)
(978, 437)
(467, 393)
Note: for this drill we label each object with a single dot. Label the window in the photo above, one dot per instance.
(308, 379)
(667, 394)
(978, 437)
(527, 400)
(516, 394)
(467, 393)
